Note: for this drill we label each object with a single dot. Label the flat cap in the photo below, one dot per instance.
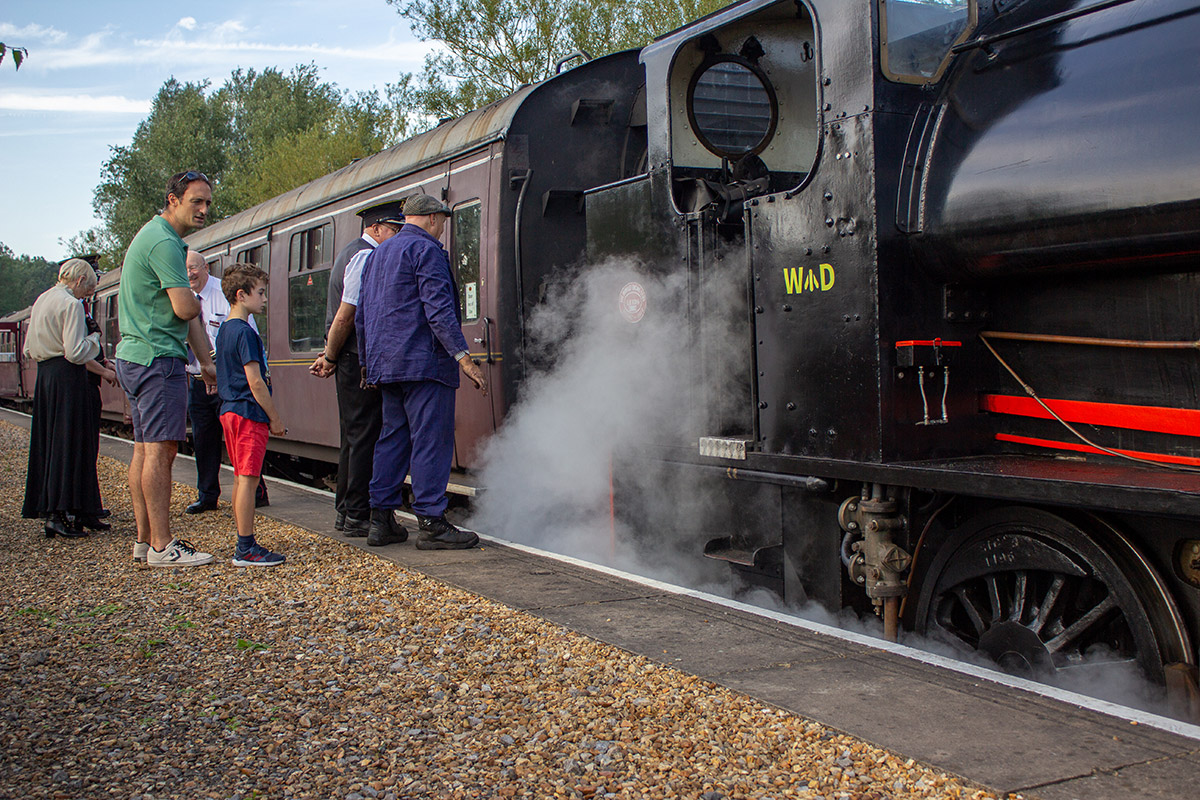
(420, 205)
(384, 212)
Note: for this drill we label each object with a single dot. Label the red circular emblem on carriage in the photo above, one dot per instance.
(632, 302)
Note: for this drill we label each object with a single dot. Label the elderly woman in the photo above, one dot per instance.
(61, 480)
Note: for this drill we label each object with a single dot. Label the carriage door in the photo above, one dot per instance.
(472, 262)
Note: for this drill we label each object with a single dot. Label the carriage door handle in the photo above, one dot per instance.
(486, 341)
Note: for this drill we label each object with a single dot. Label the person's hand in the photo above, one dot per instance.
(322, 368)
(208, 373)
(472, 371)
(362, 380)
(277, 428)
(110, 375)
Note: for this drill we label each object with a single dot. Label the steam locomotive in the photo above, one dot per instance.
(969, 237)
(966, 237)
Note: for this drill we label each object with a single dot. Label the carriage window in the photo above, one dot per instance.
(464, 255)
(732, 108)
(8, 346)
(112, 330)
(309, 262)
(917, 36)
(254, 255)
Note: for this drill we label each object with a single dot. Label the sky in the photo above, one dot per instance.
(94, 66)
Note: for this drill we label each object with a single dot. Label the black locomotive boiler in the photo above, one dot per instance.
(969, 240)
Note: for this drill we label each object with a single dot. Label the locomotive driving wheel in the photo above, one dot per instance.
(1046, 599)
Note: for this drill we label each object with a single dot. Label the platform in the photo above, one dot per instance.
(958, 720)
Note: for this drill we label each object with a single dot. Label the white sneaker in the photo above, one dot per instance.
(140, 549)
(178, 553)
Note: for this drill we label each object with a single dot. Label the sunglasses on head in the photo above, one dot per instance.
(195, 176)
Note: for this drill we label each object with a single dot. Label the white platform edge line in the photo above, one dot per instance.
(1132, 715)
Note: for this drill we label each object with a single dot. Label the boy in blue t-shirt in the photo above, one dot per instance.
(247, 410)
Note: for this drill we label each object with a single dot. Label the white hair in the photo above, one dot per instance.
(75, 269)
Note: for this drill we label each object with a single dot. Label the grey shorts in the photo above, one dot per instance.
(157, 398)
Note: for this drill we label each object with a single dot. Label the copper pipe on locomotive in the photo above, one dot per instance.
(874, 561)
(1140, 344)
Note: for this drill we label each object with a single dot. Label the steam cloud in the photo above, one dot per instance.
(606, 385)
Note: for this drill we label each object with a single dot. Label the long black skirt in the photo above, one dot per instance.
(62, 453)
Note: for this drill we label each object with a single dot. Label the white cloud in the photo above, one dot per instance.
(22, 36)
(84, 103)
(187, 23)
(220, 47)
(229, 28)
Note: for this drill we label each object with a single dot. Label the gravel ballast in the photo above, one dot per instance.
(340, 675)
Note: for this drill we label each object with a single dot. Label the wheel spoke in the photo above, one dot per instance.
(1081, 625)
(1018, 609)
(993, 587)
(1047, 605)
(969, 607)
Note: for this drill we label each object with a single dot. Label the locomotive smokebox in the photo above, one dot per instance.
(1058, 148)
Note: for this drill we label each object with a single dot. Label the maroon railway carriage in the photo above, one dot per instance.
(513, 172)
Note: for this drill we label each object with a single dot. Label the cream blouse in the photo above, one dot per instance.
(57, 328)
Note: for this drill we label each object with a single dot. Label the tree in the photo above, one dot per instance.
(259, 135)
(492, 47)
(184, 131)
(360, 127)
(264, 108)
(22, 279)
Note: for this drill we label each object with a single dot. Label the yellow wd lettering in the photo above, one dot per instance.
(798, 280)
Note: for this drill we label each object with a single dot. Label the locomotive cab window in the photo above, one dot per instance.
(915, 36)
(732, 107)
(464, 256)
(309, 262)
(743, 111)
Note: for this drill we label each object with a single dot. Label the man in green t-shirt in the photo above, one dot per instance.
(159, 316)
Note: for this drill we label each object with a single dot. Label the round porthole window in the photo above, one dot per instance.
(732, 107)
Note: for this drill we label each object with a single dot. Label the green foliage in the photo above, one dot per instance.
(22, 279)
(184, 131)
(361, 126)
(246, 644)
(492, 47)
(258, 135)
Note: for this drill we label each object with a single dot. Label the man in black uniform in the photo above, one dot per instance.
(359, 409)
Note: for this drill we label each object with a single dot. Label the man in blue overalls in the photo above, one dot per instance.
(412, 347)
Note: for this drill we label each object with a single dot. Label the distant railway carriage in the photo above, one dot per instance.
(15, 380)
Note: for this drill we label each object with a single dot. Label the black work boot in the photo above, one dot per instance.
(384, 528)
(356, 528)
(438, 534)
(339, 521)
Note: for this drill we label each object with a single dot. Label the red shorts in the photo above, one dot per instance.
(246, 441)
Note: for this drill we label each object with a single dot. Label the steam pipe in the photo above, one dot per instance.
(891, 619)
(1142, 344)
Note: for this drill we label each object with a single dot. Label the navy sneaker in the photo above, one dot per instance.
(257, 556)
